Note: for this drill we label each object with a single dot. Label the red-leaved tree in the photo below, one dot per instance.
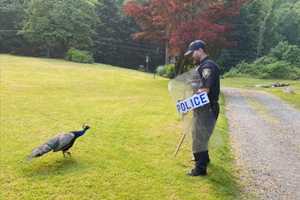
(176, 23)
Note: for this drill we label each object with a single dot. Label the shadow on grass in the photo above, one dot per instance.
(58, 167)
(223, 182)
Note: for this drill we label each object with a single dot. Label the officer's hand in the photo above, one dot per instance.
(203, 90)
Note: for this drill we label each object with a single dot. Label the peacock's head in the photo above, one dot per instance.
(85, 126)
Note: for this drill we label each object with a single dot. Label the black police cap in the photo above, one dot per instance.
(195, 45)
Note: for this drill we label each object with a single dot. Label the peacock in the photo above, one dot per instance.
(62, 142)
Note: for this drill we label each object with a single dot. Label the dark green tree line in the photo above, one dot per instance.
(11, 14)
(57, 25)
(51, 27)
(262, 24)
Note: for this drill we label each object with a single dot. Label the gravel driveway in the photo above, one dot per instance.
(265, 133)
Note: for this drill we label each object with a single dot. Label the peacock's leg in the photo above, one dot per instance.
(69, 153)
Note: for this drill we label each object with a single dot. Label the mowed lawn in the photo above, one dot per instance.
(127, 153)
(250, 83)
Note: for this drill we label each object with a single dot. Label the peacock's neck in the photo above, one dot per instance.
(80, 133)
(84, 130)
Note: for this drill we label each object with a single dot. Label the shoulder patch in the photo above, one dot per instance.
(206, 72)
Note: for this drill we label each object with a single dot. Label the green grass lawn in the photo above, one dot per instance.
(250, 83)
(128, 153)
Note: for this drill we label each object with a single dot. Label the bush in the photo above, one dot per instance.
(246, 68)
(160, 70)
(280, 50)
(280, 70)
(170, 70)
(80, 56)
(265, 60)
(293, 55)
(234, 72)
(166, 71)
(285, 51)
(283, 62)
(277, 69)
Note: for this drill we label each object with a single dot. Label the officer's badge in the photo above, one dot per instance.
(206, 73)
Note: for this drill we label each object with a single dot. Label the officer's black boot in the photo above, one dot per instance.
(207, 157)
(208, 160)
(201, 160)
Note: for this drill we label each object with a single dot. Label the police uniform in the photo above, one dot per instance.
(204, 118)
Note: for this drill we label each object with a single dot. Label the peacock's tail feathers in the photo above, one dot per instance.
(39, 151)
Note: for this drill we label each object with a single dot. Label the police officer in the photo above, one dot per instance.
(204, 118)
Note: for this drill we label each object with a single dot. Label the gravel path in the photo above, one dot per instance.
(265, 134)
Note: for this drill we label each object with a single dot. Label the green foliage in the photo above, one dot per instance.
(166, 70)
(282, 62)
(59, 25)
(113, 39)
(280, 50)
(288, 21)
(262, 24)
(11, 16)
(287, 52)
(277, 70)
(265, 60)
(79, 56)
(160, 70)
(239, 71)
(170, 70)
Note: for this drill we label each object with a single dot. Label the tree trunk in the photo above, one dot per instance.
(167, 53)
(48, 52)
(179, 65)
(262, 30)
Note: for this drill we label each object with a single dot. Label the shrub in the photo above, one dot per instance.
(170, 70)
(280, 50)
(283, 62)
(80, 56)
(293, 55)
(234, 72)
(160, 70)
(285, 51)
(280, 70)
(166, 71)
(265, 60)
(246, 68)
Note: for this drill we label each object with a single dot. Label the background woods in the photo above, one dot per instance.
(146, 34)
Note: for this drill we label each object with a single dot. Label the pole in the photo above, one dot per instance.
(184, 133)
(147, 63)
(180, 143)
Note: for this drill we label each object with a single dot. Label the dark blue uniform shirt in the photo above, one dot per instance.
(210, 77)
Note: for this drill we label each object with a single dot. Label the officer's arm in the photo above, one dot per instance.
(208, 75)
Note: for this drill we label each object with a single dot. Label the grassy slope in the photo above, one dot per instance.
(126, 155)
(293, 99)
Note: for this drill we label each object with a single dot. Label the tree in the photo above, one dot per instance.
(11, 16)
(288, 18)
(60, 24)
(113, 42)
(246, 29)
(260, 27)
(177, 22)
